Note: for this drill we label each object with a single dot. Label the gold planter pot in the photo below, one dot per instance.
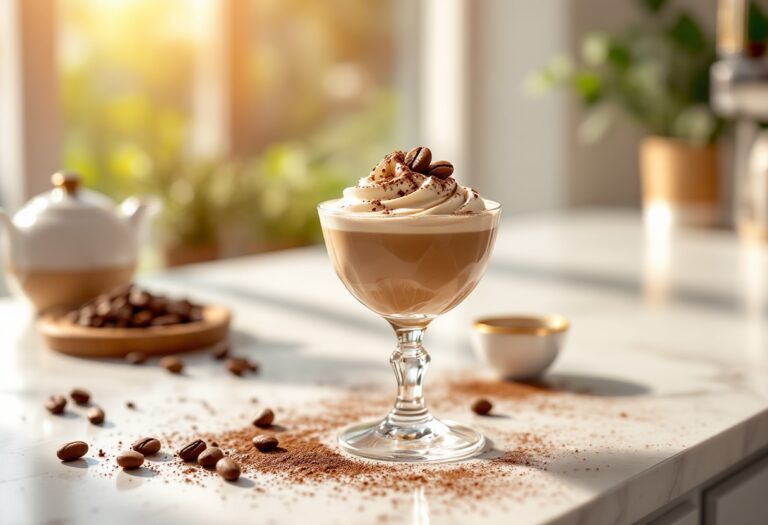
(680, 182)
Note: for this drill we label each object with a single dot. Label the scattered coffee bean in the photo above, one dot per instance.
(135, 358)
(130, 405)
(210, 456)
(418, 159)
(95, 415)
(72, 450)
(56, 404)
(147, 446)
(173, 364)
(80, 396)
(265, 442)
(130, 459)
(240, 365)
(482, 407)
(221, 351)
(264, 419)
(441, 169)
(192, 450)
(228, 469)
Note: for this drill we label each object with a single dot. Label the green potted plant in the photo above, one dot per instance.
(656, 72)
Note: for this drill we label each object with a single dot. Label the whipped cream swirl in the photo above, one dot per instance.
(393, 188)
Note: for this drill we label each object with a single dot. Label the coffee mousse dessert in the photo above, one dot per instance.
(408, 240)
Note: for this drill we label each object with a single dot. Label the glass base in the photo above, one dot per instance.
(429, 441)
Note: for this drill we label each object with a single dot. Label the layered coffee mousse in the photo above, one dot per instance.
(409, 240)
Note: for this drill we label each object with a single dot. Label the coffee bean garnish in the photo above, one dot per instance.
(56, 404)
(72, 450)
(240, 365)
(146, 446)
(191, 451)
(418, 159)
(173, 364)
(95, 415)
(210, 456)
(264, 419)
(441, 169)
(80, 396)
(135, 358)
(130, 459)
(228, 469)
(265, 442)
(482, 407)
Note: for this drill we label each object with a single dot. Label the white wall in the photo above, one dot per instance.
(518, 144)
(523, 150)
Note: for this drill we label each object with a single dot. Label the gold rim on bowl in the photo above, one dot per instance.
(523, 325)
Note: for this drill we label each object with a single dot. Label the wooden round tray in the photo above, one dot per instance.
(63, 336)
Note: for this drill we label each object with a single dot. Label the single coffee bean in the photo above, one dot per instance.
(138, 298)
(195, 314)
(441, 169)
(135, 358)
(146, 446)
(210, 456)
(142, 319)
(72, 450)
(130, 405)
(56, 404)
(97, 321)
(265, 442)
(95, 415)
(482, 407)
(192, 450)
(166, 320)
(130, 459)
(418, 159)
(80, 396)
(264, 419)
(173, 364)
(179, 308)
(220, 352)
(228, 469)
(240, 365)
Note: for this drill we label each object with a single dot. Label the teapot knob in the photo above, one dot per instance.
(66, 180)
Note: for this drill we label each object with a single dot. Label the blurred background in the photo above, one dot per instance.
(240, 115)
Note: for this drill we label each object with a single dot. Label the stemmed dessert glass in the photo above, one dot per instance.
(409, 270)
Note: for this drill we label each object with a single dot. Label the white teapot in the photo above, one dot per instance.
(68, 245)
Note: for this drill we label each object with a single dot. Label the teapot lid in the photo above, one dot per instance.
(68, 197)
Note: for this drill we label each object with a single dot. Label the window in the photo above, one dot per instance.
(239, 116)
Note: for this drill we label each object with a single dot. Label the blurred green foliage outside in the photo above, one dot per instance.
(319, 81)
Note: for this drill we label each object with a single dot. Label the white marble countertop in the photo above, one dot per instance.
(663, 383)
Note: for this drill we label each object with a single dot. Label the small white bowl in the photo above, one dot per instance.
(519, 347)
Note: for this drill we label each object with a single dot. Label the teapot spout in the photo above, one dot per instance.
(137, 211)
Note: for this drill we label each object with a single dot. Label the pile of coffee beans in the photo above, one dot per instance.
(132, 307)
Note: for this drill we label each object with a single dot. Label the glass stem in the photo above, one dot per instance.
(409, 361)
